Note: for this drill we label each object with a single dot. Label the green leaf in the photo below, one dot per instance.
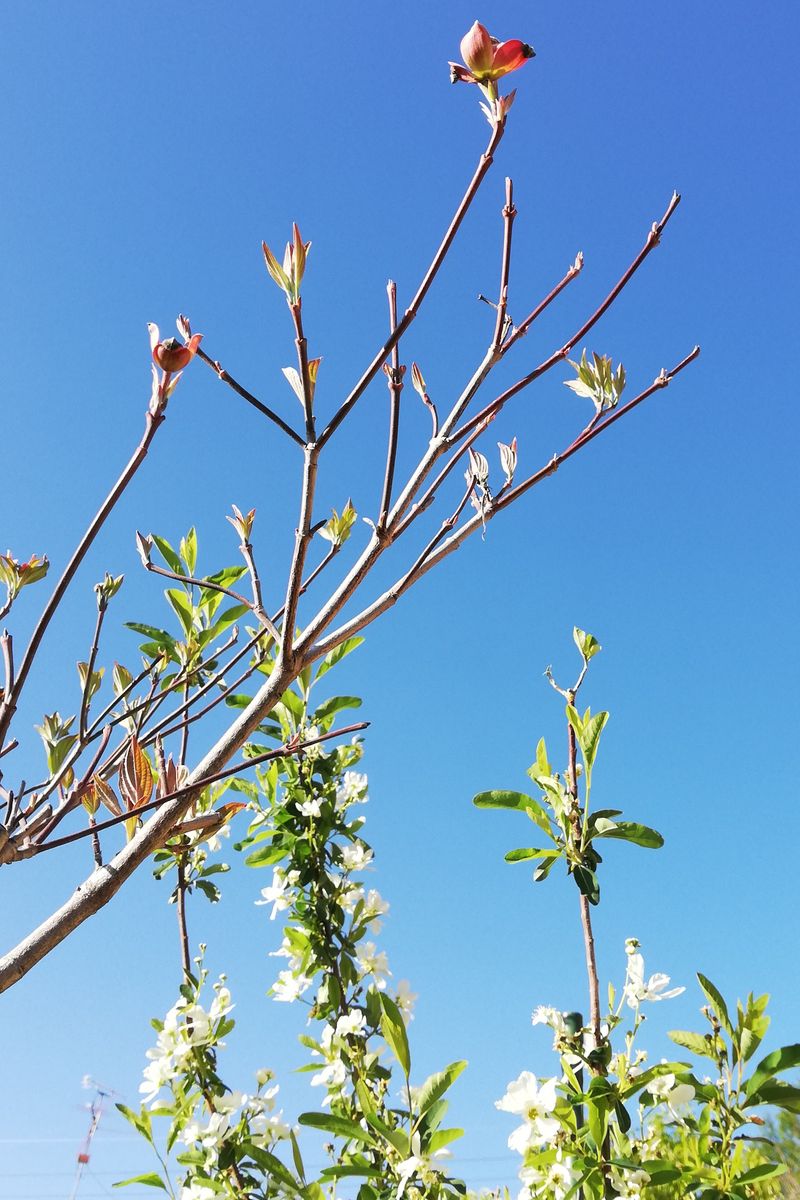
(335, 656)
(782, 1095)
(697, 1043)
(149, 631)
(590, 739)
(516, 801)
(339, 1126)
(587, 645)
(631, 831)
(329, 708)
(436, 1085)
(352, 1169)
(151, 1180)
(762, 1171)
(394, 1031)
(587, 883)
(641, 1081)
(188, 550)
(779, 1060)
(181, 606)
(442, 1138)
(719, 1006)
(140, 1121)
(272, 1165)
(168, 554)
(525, 853)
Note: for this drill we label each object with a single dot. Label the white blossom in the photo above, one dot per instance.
(372, 961)
(405, 999)
(278, 894)
(352, 789)
(310, 807)
(636, 990)
(629, 1184)
(351, 1023)
(197, 1190)
(288, 986)
(534, 1103)
(356, 857)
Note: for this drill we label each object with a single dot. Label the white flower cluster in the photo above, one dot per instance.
(553, 1181)
(352, 789)
(185, 1027)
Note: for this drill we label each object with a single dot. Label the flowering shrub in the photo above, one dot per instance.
(608, 1123)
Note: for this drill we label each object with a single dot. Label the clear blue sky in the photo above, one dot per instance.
(146, 154)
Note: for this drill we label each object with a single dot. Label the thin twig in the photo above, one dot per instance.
(652, 240)
(153, 420)
(508, 214)
(301, 543)
(243, 392)
(301, 345)
(165, 733)
(392, 594)
(394, 378)
(102, 605)
(201, 583)
(520, 330)
(184, 750)
(484, 163)
(288, 748)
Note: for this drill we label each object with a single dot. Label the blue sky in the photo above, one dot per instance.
(146, 157)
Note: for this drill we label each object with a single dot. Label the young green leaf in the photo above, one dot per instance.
(436, 1085)
(716, 1001)
(394, 1031)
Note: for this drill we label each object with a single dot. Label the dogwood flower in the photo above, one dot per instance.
(170, 354)
(636, 991)
(527, 1099)
(487, 59)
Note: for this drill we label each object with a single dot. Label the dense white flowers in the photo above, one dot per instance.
(553, 1181)
(288, 986)
(351, 1024)
(534, 1103)
(356, 857)
(629, 1184)
(352, 789)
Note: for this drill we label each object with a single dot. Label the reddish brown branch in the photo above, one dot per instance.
(394, 379)
(222, 374)
(484, 164)
(653, 239)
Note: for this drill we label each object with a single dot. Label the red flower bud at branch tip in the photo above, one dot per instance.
(170, 354)
(487, 59)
